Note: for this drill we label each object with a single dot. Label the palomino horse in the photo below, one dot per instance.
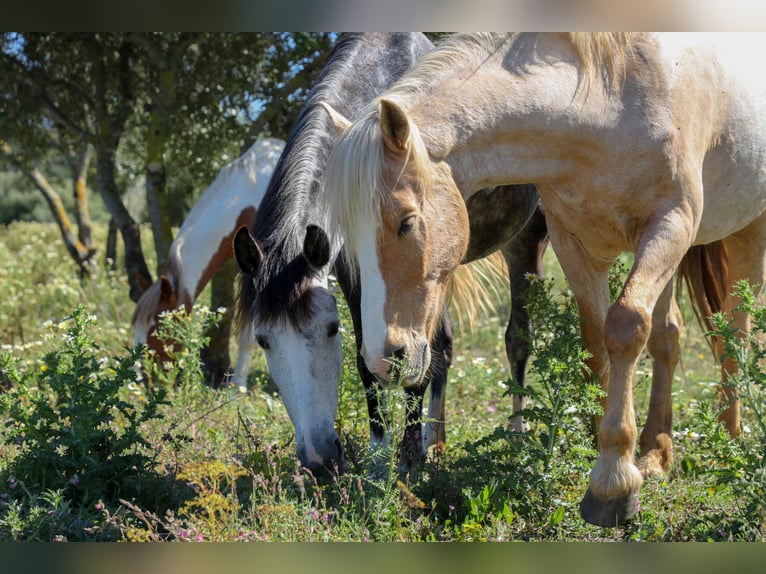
(203, 245)
(285, 259)
(648, 143)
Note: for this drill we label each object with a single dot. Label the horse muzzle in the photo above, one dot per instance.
(324, 458)
(404, 365)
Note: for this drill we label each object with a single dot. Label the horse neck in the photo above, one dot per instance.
(295, 196)
(513, 133)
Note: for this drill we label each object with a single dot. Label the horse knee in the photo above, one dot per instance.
(626, 329)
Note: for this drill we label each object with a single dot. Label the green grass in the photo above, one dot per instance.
(207, 465)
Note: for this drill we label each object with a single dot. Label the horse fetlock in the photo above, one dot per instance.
(434, 436)
(656, 450)
(730, 418)
(614, 476)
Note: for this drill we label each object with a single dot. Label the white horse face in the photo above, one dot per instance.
(305, 363)
(295, 320)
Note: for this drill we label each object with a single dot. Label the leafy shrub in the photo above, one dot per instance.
(562, 400)
(183, 336)
(73, 432)
(738, 467)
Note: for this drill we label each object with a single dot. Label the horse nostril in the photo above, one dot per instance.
(400, 354)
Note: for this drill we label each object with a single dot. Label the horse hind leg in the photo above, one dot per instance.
(524, 257)
(745, 253)
(655, 444)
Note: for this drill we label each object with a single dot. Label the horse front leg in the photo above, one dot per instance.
(612, 497)
(377, 414)
(435, 436)
(246, 346)
(655, 444)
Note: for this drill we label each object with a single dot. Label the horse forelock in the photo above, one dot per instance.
(277, 294)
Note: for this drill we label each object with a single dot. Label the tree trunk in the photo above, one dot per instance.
(110, 258)
(157, 202)
(135, 264)
(82, 213)
(158, 132)
(215, 356)
(79, 252)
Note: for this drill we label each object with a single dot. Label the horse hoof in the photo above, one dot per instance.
(608, 513)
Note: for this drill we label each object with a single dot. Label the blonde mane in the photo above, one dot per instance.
(601, 56)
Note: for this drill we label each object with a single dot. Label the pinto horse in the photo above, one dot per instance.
(286, 256)
(204, 244)
(649, 143)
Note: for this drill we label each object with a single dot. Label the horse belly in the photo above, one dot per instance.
(496, 215)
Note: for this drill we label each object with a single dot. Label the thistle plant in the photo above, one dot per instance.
(71, 429)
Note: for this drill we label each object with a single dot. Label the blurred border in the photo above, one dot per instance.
(295, 558)
(386, 15)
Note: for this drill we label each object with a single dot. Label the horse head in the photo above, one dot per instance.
(405, 230)
(157, 298)
(294, 318)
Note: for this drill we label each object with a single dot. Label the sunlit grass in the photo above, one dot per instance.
(231, 465)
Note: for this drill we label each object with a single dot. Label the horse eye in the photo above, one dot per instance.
(332, 329)
(262, 343)
(405, 225)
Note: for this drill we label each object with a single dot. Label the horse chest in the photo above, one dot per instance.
(596, 220)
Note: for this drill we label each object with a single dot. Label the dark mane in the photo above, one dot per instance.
(353, 74)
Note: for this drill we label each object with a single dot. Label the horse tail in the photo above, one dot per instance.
(477, 287)
(705, 271)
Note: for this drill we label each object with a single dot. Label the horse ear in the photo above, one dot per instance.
(167, 291)
(316, 247)
(340, 123)
(247, 252)
(394, 125)
(143, 282)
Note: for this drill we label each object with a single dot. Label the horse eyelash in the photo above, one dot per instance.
(404, 226)
(262, 343)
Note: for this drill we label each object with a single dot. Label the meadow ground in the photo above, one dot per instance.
(88, 452)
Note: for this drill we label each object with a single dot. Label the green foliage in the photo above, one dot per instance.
(222, 466)
(73, 432)
(739, 466)
(40, 285)
(184, 369)
(536, 467)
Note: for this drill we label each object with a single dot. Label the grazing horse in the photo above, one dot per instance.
(649, 143)
(286, 256)
(203, 245)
